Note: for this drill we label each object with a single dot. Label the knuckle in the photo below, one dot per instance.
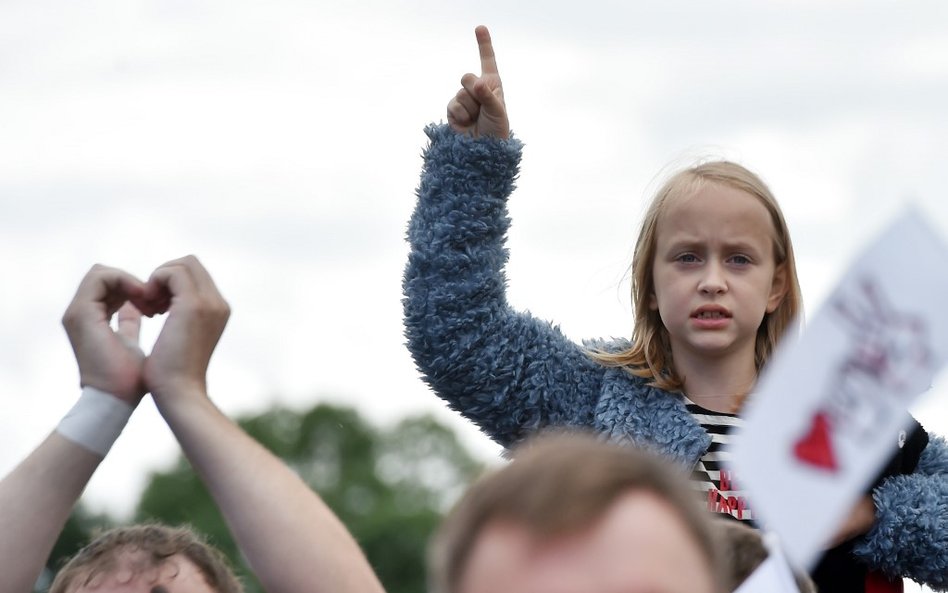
(219, 309)
(72, 318)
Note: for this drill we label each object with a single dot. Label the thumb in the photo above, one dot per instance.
(491, 101)
(129, 324)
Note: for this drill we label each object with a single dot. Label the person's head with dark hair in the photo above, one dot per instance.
(744, 551)
(149, 558)
(571, 513)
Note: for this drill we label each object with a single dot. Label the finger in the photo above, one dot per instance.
(101, 292)
(459, 115)
(169, 282)
(467, 84)
(202, 278)
(150, 307)
(489, 100)
(468, 102)
(129, 323)
(458, 118)
(210, 295)
(155, 299)
(186, 279)
(486, 49)
(101, 282)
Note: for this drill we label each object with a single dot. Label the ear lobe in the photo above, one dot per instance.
(652, 302)
(778, 288)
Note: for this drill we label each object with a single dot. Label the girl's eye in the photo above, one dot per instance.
(741, 260)
(688, 258)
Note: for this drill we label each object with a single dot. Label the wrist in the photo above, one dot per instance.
(867, 511)
(96, 420)
(176, 388)
(189, 397)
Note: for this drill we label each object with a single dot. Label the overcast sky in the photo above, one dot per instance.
(280, 142)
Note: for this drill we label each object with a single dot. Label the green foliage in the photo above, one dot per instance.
(81, 526)
(389, 486)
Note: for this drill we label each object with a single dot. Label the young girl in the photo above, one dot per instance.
(714, 286)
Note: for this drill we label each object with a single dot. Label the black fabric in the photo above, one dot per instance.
(839, 571)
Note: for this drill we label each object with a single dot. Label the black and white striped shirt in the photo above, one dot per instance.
(710, 475)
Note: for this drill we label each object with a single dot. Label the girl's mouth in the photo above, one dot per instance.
(711, 313)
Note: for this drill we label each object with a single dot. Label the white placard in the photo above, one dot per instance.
(830, 407)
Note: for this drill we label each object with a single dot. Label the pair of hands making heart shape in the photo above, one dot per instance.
(112, 360)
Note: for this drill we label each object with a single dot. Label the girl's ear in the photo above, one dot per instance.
(652, 302)
(778, 289)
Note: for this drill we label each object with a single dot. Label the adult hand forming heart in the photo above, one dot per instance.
(111, 359)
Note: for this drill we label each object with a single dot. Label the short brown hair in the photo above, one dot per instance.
(744, 551)
(158, 543)
(557, 485)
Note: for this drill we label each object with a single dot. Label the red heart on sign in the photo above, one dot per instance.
(816, 447)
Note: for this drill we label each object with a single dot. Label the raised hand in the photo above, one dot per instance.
(290, 538)
(108, 359)
(37, 496)
(197, 314)
(478, 108)
(860, 520)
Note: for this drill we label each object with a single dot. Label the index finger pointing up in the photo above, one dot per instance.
(488, 62)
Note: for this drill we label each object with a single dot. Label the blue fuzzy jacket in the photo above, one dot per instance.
(512, 374)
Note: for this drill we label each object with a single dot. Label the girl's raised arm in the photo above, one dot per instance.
(505, 370)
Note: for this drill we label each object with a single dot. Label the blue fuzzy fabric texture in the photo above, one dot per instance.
(910, 536)
(512, 374)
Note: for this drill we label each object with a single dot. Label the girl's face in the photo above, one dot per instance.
(714, 273)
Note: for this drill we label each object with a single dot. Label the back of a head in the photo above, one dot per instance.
(558, 485)
(744, 551)
(143, 548)
(743, 548)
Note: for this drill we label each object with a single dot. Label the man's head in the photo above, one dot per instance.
(574, 514)
(744, 551)
(147, 559)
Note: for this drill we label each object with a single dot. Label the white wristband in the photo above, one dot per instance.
(96, 420)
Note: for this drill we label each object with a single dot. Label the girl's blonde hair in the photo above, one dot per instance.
(650, 354)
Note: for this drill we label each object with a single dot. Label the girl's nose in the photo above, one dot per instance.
(712, 281)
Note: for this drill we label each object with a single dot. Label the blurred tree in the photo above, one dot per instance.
(79, 529)
(389, 486)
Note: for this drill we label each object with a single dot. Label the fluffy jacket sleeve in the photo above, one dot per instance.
(505, 370)
(910, 537)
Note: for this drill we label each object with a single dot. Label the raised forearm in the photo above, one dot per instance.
(291, 539)
(36, 499)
